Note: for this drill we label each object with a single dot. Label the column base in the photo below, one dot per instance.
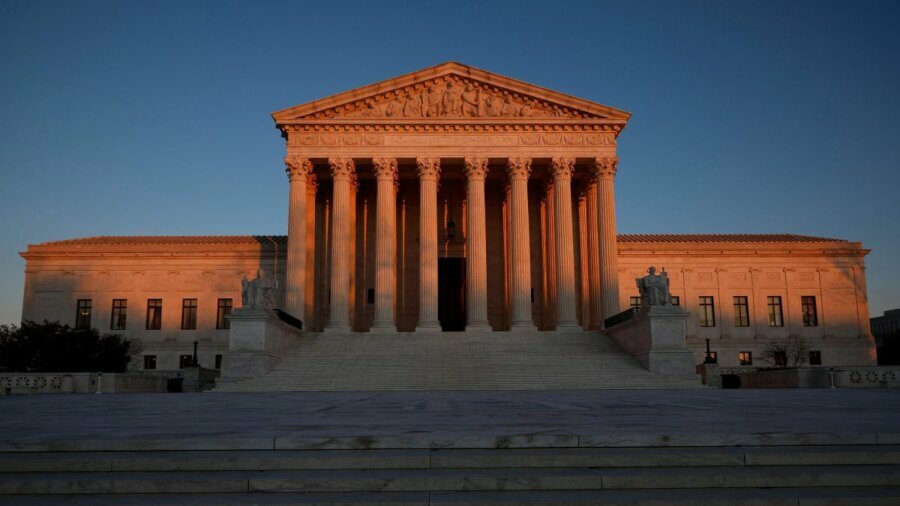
(478, 325)
(525, 324)
(568, 326)
(429, 327)
(337, 329)
(383, 326)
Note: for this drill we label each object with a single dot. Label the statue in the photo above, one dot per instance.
(471, 99)
(412, 107)
(654, 288)
(451, 100)
(258, 293)
(433, 102)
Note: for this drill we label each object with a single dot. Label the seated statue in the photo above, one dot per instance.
(654, 289)
(259, 293)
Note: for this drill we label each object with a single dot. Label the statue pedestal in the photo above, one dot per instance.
(257, 340)
(656, 337)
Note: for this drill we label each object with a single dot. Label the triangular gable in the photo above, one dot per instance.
(450, 91)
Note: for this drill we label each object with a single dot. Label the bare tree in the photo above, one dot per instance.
(790, 354)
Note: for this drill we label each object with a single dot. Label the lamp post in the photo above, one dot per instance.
(708, 359)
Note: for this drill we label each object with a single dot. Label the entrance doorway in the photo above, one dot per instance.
(452, 294)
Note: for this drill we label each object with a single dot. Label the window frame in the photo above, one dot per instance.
(188, 314)
(741, 304)
(154, 314)
(776, 310)
(634, 302)
(809, 311)
(149, 360)
(119, 312)
(223, 308)
(84, 308)
(706, 316)
(745, 357)
(816, 353)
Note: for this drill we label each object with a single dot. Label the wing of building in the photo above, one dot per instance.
(455, 199)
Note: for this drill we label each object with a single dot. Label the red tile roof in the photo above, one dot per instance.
(724, 238)
(132, 240)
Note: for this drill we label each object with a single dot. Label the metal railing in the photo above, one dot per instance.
(624, 316)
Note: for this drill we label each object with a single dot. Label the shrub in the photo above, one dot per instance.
(790, 354)
(52, 347)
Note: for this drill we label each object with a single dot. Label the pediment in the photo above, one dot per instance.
(452, 92)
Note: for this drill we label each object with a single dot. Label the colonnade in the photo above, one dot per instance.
(600, 225)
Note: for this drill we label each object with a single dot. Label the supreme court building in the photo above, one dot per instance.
(455, 199)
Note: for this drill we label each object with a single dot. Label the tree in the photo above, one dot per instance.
(52, 347)
(790, 354)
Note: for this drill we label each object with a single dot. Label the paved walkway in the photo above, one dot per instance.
(398, 419)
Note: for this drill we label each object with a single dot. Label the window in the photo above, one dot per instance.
(188, 314)
(83, 314)
(154, 314)
(815, 358)
(676, 300)
(776, 317)
(713, 357)
(223, 310)
(119, 312)
(808, 308)
(218, 361)
(780, 358)
(149, 361)
(707, 313)
(635, 303)
(185, 361)
(741, 312)
(746, 357)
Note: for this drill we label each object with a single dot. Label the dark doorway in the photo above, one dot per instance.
(452, 294)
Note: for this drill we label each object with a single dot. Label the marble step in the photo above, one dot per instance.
(255, 460)
(418, 480)
(829, 496)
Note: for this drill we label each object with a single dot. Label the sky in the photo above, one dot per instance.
(153, 117)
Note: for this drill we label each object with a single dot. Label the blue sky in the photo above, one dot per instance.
(150, 117)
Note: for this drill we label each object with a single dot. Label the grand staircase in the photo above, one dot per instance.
(456, 361)
(404, 474)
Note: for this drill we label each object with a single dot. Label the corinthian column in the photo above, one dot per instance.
(342, 172)
(562, 170)
(519, 169)
(476, 244)
(429, 173)
(298, 169)
(385, 243)
(593, 249)
(605, 168)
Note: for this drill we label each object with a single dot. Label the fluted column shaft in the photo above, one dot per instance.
(566, 298)
(609, 252)
(429, 173)
(298, 169)
(593, 249)
(519, 169)
(476, 244)
(342, 172)
(311, 321)
(385, 242)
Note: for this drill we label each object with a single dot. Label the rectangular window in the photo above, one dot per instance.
(746, 358)
(676, 300)
(83, 314)
(185, 361)
(154, 314)
(223, 310)
(713, 357)
(776, 317)
(815, 358)
(119, 313)
(635, 303)
(707, 313)
(188, 314)
(218, 361)
(149, 361)
(808, 308)
(780, 358)
(741, 312)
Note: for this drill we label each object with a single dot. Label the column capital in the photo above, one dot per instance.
(562, 167)
(518, 168)
(605, 166)
(385, 168)
(342, 168)
(476, 167)
(297, 166)
(429, 168)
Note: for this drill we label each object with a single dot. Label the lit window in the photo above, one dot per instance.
(223, 310)
(188, 314)
(154, 314)
(808, 308)
(83, 314)
(815, 358)
(707, 313)
(149, 361)
(741, 312)
(119, 313)
(713, 357)
(746, 358)
(776, 317)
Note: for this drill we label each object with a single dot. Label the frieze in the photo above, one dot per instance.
(439, 139)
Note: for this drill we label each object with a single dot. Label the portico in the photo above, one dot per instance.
(514, 180)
